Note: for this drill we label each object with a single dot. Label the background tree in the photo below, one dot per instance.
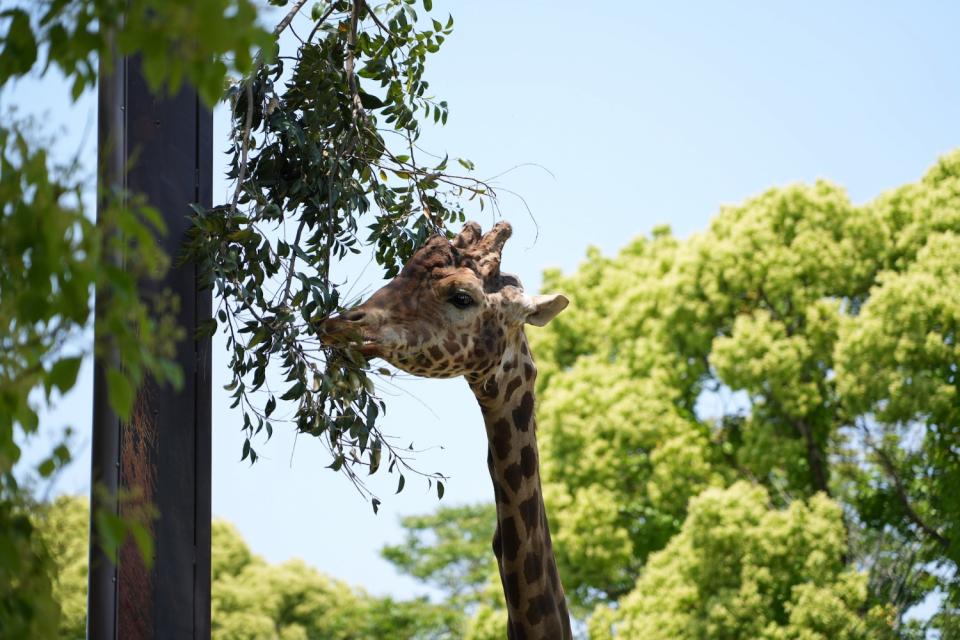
(752, 432)
(450, 551)
(252, 599)
(739, 569)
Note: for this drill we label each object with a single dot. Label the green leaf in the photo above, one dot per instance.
(370, 101)
(47, 467)
(144, 542)
(375, 454)
(63, 373)
(62, 454)
(19, 46)
(207, 328)
(111, 531)
(120, 392)
(294, 392)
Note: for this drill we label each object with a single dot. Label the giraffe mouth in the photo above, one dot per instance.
(370, 349)
(367, 347)
(339, 333)
(345, 333)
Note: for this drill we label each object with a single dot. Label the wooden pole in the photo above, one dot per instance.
(161, 148)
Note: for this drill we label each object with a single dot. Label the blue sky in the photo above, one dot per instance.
(640, 114)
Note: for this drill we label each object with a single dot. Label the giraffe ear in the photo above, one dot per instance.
(545, 308)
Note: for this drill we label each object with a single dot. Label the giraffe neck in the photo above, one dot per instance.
(536, 605)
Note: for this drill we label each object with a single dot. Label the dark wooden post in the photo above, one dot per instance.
(160, 147)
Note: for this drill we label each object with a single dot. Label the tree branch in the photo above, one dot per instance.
(283, 24)
(818, 473)
(349, 60)
(293, 260)
(375, 18)
(891, 470)
(244, 142)
(319, 23)
(245, 137)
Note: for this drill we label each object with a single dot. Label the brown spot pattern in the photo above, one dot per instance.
(530, 512)
(501, 438)
(514, 476)
(451, 346)
(511, 586)
(540, 607)
(528, 461)
(510, 538)
(521, 415)
(532, 567)
(511, 387)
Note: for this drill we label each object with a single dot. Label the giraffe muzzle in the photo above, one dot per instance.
(347, 331)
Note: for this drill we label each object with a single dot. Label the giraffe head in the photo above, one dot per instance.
(450, 311)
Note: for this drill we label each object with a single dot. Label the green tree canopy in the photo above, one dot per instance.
(739, 569)
(449, 550)
(753, 432)
(252, 599)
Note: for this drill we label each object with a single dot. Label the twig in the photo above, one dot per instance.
(316, 27)
(244, 143)
(248, 121)
(423, 200)
(349, 61)
(373, 15)
(520, 166)
(296, 35)
(891, 471)
(293, 260)
(283, 24)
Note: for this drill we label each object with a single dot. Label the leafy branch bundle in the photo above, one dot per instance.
(325, 158)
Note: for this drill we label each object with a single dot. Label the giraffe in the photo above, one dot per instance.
(452, 312)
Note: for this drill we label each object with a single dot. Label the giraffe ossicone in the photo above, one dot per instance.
(452, 312)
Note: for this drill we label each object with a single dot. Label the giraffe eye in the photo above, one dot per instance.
(461, 300)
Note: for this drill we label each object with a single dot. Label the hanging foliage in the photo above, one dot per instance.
(325, 158)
